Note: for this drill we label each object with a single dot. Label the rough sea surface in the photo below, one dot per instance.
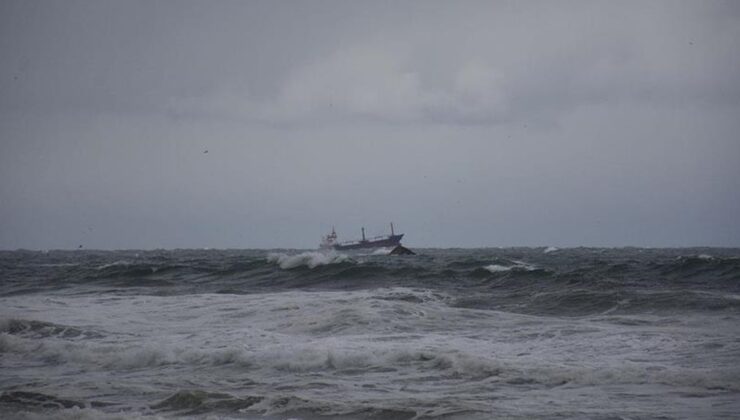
(447, 334)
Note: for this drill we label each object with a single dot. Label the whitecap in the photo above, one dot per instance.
(310, 259)
(524, 266)
(518, 265)
(495, 268)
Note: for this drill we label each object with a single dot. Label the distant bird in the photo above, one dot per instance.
(205, 151)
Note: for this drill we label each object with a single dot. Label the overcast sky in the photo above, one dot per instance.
(242, 124)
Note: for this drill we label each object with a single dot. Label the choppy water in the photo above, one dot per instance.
(449, 334)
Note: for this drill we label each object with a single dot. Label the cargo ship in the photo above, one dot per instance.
(330, 241)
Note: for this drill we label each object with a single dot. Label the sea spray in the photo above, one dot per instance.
(307, 259)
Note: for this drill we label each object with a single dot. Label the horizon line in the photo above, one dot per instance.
(416, 247)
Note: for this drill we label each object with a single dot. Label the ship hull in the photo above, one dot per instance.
(392, 240)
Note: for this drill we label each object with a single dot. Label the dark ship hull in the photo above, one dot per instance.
(391, 240)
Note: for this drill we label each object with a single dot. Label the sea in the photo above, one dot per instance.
(495, 333)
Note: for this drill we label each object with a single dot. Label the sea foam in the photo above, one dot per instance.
(310, 259)
(517, 265)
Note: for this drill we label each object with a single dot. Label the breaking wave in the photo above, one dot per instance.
(307, 259)
(301, 334)
(516, 265)
(495, 268)
(336, 355)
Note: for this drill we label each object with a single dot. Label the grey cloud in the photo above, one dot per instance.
(466, 123)
(493, 67)
(475, 62)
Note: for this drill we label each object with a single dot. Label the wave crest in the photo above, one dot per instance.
(311, 259)
(517, 266)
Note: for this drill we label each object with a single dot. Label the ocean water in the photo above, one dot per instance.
(447, 334)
